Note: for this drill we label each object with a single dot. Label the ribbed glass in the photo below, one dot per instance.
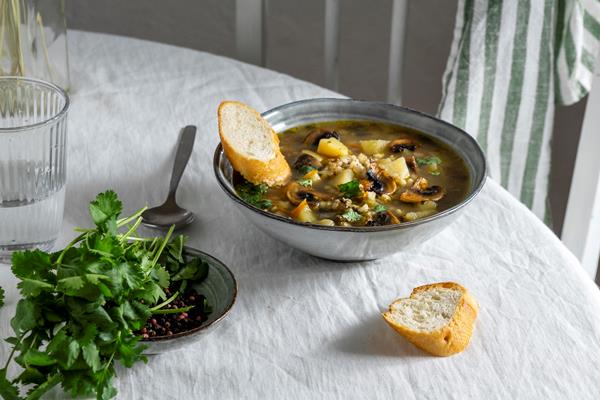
(33, 135)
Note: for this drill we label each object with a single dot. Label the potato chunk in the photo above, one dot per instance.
(331, 147)
(303, 213)
(396, 169)
(345, 176)
(371, 147)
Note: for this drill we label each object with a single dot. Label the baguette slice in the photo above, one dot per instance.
(438, 318)
(251, 145)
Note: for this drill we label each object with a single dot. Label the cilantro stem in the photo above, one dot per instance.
(162, 246)
(164, 303)
(84, 230)
(126, 220)
(44, 387)
(173, 310)
(133, 228)
(10, 356)
(134, 238)
(109, 361)
(71, 244)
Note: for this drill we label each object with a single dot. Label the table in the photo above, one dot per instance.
(305, 328)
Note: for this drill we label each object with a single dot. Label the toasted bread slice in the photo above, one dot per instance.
(251, 145)
(437, 318)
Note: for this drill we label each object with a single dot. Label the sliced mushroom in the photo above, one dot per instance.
(383, 218)
(411, 162)
(399, 145)
(306, 160)
(315, 136)
(296, 193)
(421, 191)
(379, 181)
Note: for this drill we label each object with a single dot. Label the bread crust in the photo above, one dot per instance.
(274, 172)
(450, 339)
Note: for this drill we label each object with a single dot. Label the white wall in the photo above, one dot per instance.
(295, 46)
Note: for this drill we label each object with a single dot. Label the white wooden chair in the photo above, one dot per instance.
(581, 229)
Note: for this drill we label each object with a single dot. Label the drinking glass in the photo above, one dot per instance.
(33, 135)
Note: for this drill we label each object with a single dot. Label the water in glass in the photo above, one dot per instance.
(32, 164)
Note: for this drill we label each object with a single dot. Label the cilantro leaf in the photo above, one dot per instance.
(8, 391)
(305, 182)
(91, 356)
(428, 160)
(254, 194)
(37, 358)
(32, 374)
(161, 276)
(31, 264)
(105, 389)
(1, 297)
(26, 316)
(70, 285)
(104, 211)
(379, 208)
(350, 189)
(197, 269)
(151, 293)
(305, 169)
(176, 248)
(351, 216)
(33, 287)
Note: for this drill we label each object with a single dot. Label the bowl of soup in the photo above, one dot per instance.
(368, 179)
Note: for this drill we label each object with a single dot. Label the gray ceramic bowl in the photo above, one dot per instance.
(220, 289)
(357, 243)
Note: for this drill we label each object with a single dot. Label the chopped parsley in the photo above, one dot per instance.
(351, 216)
(350, 189)
(254, 194)
(429, 160)
(305, 182)
(380, 208)
(305, 169)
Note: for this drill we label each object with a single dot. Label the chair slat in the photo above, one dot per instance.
(332, 43)
(397, 39)
(250, 31)
(581, 228)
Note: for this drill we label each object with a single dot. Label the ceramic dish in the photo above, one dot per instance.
(357, 243)
(220, 289)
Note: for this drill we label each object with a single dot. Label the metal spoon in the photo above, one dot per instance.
(169, 213)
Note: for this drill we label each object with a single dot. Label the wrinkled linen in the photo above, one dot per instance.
(305, 328)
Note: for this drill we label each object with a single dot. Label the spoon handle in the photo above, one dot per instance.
(184, 151)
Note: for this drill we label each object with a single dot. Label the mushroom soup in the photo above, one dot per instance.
(361, 173)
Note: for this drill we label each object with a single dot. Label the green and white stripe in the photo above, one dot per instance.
(509, 62)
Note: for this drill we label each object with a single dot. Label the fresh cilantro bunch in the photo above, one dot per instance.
(80, 306)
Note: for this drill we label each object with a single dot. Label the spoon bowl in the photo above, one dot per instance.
(169, 213)
(166, 215)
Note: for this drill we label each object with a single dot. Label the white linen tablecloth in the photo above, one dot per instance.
(305, 328)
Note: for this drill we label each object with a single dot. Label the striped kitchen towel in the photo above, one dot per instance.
(510, 62)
